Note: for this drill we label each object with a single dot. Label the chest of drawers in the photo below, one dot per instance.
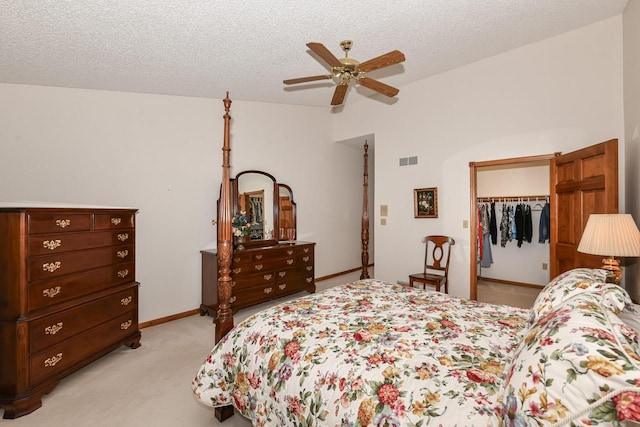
(68, 296)
(259, 275)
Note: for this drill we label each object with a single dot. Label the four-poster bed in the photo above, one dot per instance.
(376, 353)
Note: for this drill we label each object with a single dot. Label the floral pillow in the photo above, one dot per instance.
(577, 365)
(575, 282)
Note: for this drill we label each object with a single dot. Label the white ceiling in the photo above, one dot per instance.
(204, 48)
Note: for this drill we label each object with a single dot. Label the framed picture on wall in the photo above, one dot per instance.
(425, 202)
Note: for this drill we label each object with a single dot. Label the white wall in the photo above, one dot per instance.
(555, 95)
(631, 24)
(162, 155)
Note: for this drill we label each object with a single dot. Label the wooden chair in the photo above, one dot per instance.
(436, 263)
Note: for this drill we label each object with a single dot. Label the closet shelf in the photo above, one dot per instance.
(535, 198)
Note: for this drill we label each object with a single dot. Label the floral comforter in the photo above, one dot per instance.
(365, 353)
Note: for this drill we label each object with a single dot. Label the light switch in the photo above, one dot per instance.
(465, 224)
(383, 221)
(384, 210)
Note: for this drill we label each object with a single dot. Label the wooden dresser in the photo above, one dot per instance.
(68, 296)
(259, 274)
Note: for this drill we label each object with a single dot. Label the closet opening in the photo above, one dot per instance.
(509, 198)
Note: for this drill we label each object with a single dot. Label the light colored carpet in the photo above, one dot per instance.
(151, 386)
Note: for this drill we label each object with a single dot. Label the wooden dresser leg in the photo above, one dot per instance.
(224, 412)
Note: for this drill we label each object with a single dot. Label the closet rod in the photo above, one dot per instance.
(513, 198)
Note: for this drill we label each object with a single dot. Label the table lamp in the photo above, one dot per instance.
(611, 236)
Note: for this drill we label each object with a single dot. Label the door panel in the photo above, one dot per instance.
(582, 182)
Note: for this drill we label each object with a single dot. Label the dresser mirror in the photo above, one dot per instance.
(267, 204)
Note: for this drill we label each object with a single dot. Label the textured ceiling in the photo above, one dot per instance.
(204, 48)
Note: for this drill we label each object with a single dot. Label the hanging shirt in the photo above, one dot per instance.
(505, 228)
(512, 221)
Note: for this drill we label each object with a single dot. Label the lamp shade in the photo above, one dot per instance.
(610, 235)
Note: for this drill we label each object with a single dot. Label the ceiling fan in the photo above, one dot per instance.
(346, 69)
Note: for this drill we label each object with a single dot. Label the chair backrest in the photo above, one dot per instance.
(437, 253)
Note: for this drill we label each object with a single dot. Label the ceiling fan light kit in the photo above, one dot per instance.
(346, 69)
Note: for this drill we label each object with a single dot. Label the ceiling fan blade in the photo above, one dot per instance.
(381, 61)
(378, 86)
(306, 79)
(338, 95)
(324, 53)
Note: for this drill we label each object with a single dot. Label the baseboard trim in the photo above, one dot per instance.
(509, 282)
(341, 273)
(168, 318)
(197, 310)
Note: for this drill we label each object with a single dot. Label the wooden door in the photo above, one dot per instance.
(582, 182)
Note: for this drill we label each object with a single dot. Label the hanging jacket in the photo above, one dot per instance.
(493, 226)
(519, 220)
(528, 223)
(545, 226)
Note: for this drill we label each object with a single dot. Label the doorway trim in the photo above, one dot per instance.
(473, 191)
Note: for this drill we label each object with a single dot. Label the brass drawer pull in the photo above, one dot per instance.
(122, 237)
(51, 244)
(282, 273)
(125, 325)
(289, 252)
(116, 221)
(305, 259)
(53, 360)
(232, 300)
(52, 292)
(123, 254)
(309, 279)
(310, 267)
(258, 267)
(267, 290)
(53, 329)
(126, 301)
(51, 266)
(306, 250)
(236, 260)
(62, 223)
(282, 287)
(123, 273)
(259, 256)
(289, 261)
(267, 276)
(237, 270)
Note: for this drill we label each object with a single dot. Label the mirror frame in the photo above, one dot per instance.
(276, 206)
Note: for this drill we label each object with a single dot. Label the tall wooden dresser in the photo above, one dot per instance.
(259, 274)
(68, 295)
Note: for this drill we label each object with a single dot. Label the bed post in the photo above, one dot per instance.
(365, 217)
(224, 318)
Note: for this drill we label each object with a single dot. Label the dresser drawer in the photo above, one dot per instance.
(65, 324)
(250, 280)
(44, 244)
(244, 297)
(45, 267)
(279, 253)
(56, 359)
(281, 263)
(56, 223)
(110, 221)
(52, 292)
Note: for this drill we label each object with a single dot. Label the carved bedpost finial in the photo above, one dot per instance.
(227, 103)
